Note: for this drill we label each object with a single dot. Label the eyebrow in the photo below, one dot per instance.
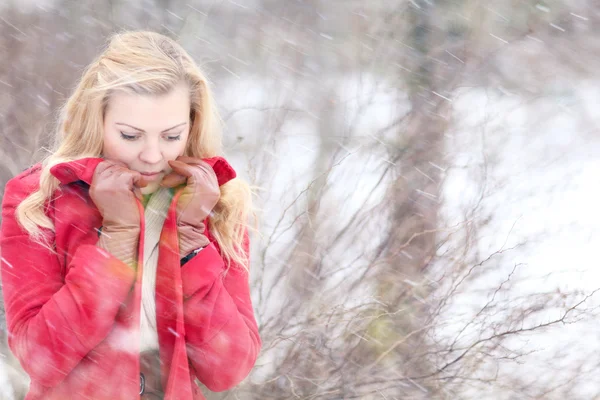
(141, 130)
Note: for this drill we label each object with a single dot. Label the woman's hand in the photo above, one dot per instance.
(198, 198)
(201, 192)
(114, 190)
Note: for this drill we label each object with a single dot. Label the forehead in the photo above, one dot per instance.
(149, 111)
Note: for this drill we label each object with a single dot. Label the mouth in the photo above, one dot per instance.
(151, 175)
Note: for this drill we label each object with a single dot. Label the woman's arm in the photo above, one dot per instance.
(221, 332)
(52, 323)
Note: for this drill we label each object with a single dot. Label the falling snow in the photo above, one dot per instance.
(424, 175)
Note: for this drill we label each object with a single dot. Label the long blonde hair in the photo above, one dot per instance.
(145, 63)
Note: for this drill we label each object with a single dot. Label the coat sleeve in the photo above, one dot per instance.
(53, 320)
(221, 332)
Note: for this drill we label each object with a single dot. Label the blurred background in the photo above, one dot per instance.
(426, 176)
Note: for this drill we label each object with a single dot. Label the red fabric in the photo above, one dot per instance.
(73, 312)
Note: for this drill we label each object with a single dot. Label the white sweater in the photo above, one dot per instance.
(154, 214)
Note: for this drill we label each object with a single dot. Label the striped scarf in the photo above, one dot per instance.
(155, 213)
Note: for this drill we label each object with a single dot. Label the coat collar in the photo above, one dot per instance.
(83, 170)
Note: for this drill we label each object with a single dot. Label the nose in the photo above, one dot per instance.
(151, 153)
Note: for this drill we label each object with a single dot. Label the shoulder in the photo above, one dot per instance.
(21, 186)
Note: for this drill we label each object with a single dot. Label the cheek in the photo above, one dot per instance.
(116, 149)
(175, 150)
(109, 147)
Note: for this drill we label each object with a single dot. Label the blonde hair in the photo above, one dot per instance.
(145, 63)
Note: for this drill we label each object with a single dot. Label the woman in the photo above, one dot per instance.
(125, 252)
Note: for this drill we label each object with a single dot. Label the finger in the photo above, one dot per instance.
(139, 181)
(203, 175)
(129, 179)
(103, 168)
(189, 160)
(105, 175)
(115, 162)
(112, 170)
(208, 170)
(172, 180)
(196, 162)
(199, 172)
(181, 168)
(138, 194)
(123, 173)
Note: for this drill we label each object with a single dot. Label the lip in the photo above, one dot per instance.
(150, 174)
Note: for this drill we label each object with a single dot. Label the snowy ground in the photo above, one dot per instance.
(538, 164)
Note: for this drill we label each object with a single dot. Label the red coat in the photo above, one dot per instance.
(73, 314)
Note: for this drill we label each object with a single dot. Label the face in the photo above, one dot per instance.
(145, 132)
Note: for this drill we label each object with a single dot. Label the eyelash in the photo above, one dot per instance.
(132, 138)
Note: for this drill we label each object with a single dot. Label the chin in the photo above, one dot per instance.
(151, 188)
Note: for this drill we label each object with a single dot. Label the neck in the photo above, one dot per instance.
(146, 198)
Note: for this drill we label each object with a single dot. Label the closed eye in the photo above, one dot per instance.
(135, 137)
(128, 137)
